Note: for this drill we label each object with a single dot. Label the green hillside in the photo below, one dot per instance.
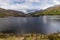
(55, 10)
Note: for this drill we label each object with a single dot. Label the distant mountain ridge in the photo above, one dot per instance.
(55, 10)
(14, 13)
(5, 13)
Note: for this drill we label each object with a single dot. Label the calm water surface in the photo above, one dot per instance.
(42, 24)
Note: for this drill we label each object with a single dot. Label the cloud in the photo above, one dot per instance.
(23, 5)
(32, 0)
(56, 1)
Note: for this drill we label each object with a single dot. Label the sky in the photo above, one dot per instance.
(23, 5)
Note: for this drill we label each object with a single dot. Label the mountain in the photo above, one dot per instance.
(36, 13)
(31, 10)
(14, 13)
(54, 10)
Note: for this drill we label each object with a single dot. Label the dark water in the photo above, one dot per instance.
(42, 24)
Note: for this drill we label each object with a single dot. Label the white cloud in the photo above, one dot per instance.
(43, 4)
(33, 0)
(56, 2)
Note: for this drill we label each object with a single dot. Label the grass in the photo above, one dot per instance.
(29, 36)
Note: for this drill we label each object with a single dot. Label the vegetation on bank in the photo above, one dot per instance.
(29, 36)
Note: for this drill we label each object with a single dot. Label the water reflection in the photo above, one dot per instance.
(42, 24)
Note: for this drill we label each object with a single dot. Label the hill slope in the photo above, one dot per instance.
(35, 14)
(5, 13)
(55, 10)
